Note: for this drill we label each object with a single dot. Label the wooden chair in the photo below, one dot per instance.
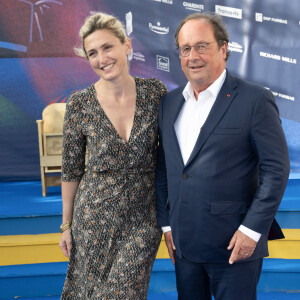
(50, 130)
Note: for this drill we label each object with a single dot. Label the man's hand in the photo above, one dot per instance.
(242, 245)
(170, 245)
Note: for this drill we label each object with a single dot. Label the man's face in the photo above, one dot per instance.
(201, 69)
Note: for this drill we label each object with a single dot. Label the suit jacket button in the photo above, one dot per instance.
(185, 176)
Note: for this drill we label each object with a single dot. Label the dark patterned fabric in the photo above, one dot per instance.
(114, 232)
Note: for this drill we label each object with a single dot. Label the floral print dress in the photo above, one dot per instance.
(115, 236)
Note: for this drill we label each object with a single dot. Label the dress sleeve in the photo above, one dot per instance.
(160, 88)
(73, 142)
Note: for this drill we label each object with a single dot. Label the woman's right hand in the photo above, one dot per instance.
(65, 243)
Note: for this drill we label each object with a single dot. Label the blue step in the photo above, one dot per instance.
(173, 296)
(32, 280)
(40, 280)
(23, 210)
(280, 275)
(288, 215)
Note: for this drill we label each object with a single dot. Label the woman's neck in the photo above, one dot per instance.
(116, 89)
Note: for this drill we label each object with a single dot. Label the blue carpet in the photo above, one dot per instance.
(23, 201)
(173, 296)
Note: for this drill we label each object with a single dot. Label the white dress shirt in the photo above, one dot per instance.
(190, 121)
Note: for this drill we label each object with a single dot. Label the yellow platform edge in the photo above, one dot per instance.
(44, 248)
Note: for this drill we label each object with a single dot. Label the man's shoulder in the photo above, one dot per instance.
(248, 90)
(175, 92)
(242, 83)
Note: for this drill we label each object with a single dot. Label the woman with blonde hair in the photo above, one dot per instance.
(109, 228)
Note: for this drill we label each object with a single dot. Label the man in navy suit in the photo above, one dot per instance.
(222, 169)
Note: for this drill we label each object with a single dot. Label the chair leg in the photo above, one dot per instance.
(44, 183)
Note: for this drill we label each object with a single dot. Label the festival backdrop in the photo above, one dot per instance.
(38, 65)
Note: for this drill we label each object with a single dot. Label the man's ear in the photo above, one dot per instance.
(224, 49)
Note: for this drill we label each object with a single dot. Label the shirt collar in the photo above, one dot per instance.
(213, 89)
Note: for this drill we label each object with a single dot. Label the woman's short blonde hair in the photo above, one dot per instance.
(99, 21)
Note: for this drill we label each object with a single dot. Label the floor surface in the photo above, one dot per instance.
(173, 296)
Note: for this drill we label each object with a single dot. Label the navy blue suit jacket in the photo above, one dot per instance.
(236, 174)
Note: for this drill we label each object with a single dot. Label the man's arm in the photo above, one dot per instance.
(270, 146)
(162, 210)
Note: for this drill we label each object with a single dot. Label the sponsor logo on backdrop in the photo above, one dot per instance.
(193, 6)
(129, 29)
(230, 12)
(259, 17)
(163, 63)
(164, 1)
(139, 56)
(283, 96)
(158, 29)
(278, 57)
(235, 47)
(289, 60)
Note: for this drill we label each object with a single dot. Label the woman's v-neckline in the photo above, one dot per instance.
(110, 122)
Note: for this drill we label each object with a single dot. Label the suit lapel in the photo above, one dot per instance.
(175, 108)
(223, 101)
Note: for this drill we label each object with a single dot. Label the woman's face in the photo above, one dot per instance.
(106, 54)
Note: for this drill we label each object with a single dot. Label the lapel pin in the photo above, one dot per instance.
(228, 95)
